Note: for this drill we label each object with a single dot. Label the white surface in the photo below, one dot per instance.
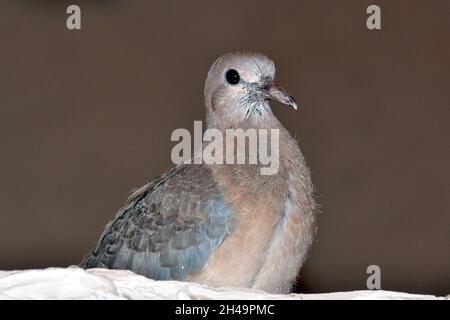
(76, 283)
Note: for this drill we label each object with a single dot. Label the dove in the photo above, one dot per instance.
(223, 225)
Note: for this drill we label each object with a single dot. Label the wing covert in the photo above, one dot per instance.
(168, 228)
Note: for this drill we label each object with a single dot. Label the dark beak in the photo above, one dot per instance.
(273, 91)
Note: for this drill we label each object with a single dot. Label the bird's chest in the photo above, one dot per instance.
(270, 225)
(257, 204)
(256, 200)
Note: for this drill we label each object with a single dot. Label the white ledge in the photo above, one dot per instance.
(76, 283)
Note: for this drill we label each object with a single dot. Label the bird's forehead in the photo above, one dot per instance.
(252, 67)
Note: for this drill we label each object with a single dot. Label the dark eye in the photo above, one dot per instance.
(232, 76)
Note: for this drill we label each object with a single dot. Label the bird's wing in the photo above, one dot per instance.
(168, 228)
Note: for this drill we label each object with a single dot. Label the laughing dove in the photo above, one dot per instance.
(222, 224)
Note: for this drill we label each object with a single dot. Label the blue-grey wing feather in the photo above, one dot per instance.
(168, 229)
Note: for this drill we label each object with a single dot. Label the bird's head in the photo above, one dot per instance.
(238, 89)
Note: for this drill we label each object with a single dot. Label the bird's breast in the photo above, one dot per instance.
(257, 204)
(274, 223)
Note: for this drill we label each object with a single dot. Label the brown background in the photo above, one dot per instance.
(86, 116)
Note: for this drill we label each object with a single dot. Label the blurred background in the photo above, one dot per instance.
(86, 116)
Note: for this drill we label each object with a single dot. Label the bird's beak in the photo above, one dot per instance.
(273, 91)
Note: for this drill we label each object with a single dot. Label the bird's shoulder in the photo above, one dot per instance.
(196, 181)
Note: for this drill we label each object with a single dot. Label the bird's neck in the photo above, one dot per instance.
(255, 121)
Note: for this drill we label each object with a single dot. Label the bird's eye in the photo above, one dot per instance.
(232, 76)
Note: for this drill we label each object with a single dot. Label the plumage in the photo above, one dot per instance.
(168, 228)
(222, 224)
